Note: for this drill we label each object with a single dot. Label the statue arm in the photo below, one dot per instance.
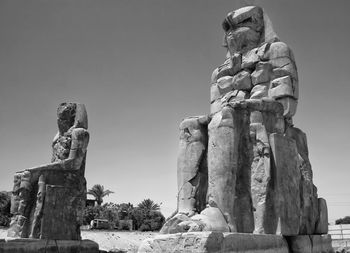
(62, 165)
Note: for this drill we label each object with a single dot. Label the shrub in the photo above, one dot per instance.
(345, 220)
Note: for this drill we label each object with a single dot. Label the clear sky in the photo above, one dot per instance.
(140, 67)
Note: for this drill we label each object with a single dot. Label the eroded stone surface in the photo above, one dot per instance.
(285, 158)
(310, 244)
(322, 221)
(209, 242)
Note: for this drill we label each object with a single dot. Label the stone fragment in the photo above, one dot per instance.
(262, 49)
(250, 59)
(321, 244)
(277, 49)
(230, 67)
(171, 225)
(322, 221)
(308, 207)
(242, 81)
(281, 87)
(286, 70)
(209, 242)
(310, 244)
(234, 96)
(210, 219)
(289, 105)
(262, 73)
(214, 92)
(285, 158)
(215, 106)
(299, 244)
(280, 62)
(225, 84)
(259, 91)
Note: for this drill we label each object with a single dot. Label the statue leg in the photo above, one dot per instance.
(191, 172)
(191, 166)
(35, 229)
(260, 180)
(224, 131)
(20, 215)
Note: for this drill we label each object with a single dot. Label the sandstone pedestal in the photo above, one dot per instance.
(212, 242)
(218, 242)
(25, 245)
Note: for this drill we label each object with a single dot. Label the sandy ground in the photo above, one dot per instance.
(115, 241)
(112, 240)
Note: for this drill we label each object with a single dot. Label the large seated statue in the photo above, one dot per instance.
(48, 200)
(245, 167)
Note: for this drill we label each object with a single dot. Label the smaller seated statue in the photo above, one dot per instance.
(48, 200)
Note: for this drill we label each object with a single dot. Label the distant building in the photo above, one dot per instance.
(90, 202)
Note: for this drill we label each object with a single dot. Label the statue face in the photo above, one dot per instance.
(243, 29)
(66, 116)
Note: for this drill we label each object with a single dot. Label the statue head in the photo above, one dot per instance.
(65, 116)
(246, 28)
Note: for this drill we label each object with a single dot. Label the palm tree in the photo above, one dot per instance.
(98, 191)
(148, 205)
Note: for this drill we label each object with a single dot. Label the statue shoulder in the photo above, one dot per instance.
(277, 49)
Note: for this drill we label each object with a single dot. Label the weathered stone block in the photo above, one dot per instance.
(285, 157)
(299, 244)
(214, 92)
(281, 87)
(279, 62)
(250, 59)
(225, 84)
(277, 50)
(211, 242)
(310, 244)
(322, 221)
(289, 105)
(48, 246)
(259, 91)
(321, 244)
(215, 106)
(262, 73)
(59, 218)
(242, 81)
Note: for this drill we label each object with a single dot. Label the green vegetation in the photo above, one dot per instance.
(5, 204)
(345, 220)
(99, 193)
(145, 217)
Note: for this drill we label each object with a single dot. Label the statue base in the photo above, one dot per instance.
(212, 242)
(48, 246)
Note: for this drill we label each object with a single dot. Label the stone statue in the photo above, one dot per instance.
(245, 167)
(47, 201)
